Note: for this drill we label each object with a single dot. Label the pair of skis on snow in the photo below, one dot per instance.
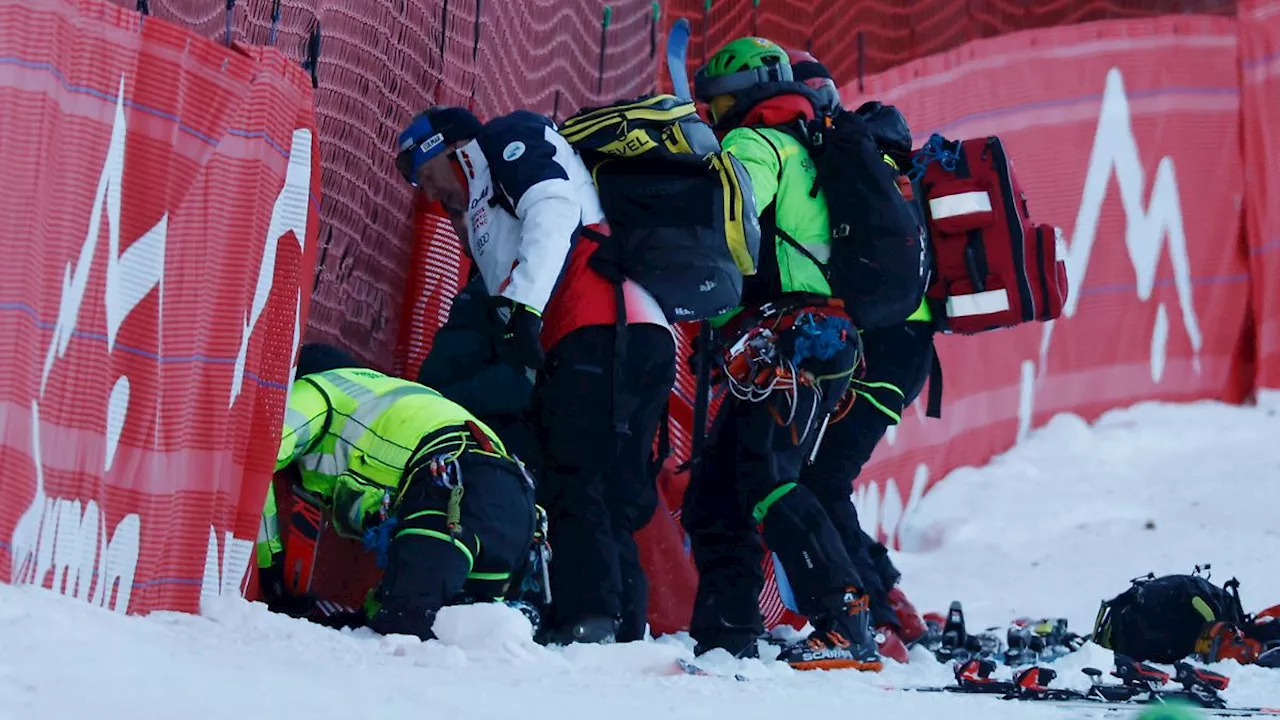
(1140, 684)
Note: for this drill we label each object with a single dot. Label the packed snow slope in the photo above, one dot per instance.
(1048, 529)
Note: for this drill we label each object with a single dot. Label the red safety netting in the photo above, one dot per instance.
(1260, 102)
(855, 38)
(383, 61)
(379, 66)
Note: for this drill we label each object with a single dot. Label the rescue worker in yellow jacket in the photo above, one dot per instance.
(418, 479)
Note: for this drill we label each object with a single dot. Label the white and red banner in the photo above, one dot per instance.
(159, 229)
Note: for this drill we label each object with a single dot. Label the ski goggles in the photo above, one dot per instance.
(706, 88)
(418, 145)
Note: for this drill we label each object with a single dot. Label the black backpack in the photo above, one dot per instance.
(879, 264)
(1159, 619)
(681, 213)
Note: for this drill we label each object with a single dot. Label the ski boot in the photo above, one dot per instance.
(911, 628)
(840, 640)
(890, 644)
(738, 643)
(956, 645)
(594, 629)
(1022, 647)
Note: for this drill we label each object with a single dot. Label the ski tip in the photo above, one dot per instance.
(682, 22)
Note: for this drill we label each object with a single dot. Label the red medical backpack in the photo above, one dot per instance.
(994, 268)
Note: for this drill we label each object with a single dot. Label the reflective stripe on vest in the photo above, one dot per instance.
(369, 407)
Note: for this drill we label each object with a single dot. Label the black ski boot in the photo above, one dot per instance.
(840, 640)
(596, 629)
(737, 643)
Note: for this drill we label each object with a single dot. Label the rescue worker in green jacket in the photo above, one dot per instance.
(415, 477)
(787, 356)
(898, 359)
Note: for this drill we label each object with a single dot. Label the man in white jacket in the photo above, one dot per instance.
(523, 197)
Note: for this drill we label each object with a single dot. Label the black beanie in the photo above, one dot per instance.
(319, 357)
(454, 123)
(808, 70)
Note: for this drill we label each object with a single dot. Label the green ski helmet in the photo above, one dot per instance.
(740, 65)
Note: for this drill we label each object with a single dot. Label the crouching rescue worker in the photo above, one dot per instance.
(787, 357)
(523, 200)
(418, 480)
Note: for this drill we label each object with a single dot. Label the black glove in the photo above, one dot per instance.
(272, 591)
(522, 336)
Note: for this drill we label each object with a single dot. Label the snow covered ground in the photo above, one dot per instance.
(1048, 529)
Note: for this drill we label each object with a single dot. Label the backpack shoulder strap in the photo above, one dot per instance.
(783, 234)
(776, 152)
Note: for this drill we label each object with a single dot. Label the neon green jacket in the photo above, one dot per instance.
(352, 432)
(782, 176)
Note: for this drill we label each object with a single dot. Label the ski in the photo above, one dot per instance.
(689, 668)
(1105, 706)
(677, 56)
(1140, 685)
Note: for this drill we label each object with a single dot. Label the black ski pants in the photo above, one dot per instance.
(429, 563)
(599, 484)
(753, 477)
(898, 361)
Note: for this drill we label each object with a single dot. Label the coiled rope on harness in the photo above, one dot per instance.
(768, 356)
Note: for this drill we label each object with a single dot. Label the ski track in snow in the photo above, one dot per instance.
(1048, 529)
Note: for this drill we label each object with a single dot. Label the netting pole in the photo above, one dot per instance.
(231, 14)
(604, 44)
(475, 54)
(654, 21)
(275, 22)
(444, 35)
(706, 28)
(653, 29)
(755, 18)
(555, 108)
(312, 61)
(144, 7)
(862, 58)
